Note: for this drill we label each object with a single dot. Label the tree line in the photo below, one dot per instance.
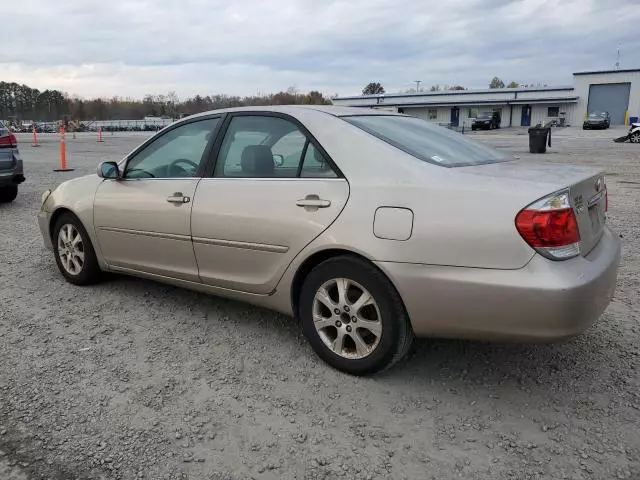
(21, 102)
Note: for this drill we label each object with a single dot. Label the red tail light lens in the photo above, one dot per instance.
(550, 227)
(9, 141)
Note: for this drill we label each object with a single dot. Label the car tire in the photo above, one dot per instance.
(634, 137)
(8, 194)
(381, 328)
(76, 259)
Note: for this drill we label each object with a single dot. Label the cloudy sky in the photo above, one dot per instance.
(133, 47)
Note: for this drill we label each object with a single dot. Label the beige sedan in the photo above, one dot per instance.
(369, 227)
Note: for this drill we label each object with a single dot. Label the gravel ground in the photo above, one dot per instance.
(133, 379)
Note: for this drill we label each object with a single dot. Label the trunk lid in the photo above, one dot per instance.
(587, 190)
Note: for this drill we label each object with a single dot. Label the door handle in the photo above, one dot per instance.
(313, 202)
(179, 198)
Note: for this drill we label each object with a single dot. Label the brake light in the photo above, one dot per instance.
(550, 227)
(9, 141)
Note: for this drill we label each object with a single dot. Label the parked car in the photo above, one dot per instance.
(601, 120)
(633, 135)
(11, 172)
(370, 227)
(486, 121)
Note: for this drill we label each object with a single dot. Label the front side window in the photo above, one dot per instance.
(426, 141)
(265, 147)
(176, 154)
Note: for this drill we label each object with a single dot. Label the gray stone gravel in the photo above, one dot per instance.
(132, 379)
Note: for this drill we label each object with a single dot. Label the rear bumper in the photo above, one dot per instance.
(544, 300)
(14, 175)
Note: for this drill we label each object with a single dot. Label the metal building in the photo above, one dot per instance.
(616, 92)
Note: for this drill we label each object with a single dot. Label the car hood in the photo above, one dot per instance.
(595, 120)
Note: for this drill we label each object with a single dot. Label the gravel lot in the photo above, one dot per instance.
(133, 379)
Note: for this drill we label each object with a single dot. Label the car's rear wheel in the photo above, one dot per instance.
(8, 193)
(75, 256)
(353, 317)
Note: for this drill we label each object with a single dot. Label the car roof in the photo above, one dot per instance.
(293, 109)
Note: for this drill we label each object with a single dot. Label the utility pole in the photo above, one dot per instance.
(618, 57)
(418, 82)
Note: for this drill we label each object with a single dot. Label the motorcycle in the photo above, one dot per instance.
(633, 135)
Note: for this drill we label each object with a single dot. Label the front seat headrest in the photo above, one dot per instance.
(257, 160)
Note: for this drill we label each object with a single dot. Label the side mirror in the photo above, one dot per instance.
(108, 170)
(278, 159)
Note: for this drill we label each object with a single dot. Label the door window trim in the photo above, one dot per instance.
(204, 160)
(221, 131)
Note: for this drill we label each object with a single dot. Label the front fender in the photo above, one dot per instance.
(76, 196)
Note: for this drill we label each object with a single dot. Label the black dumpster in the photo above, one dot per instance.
(538, 139)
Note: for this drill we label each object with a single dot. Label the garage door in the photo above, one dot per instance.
(612, 98)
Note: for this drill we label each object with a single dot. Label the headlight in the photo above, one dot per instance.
(44, 197)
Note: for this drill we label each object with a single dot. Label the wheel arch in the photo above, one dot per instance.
(58, 212)
(316, 259)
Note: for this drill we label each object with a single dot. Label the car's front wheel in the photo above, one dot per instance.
(8, 193)
(75, 256)
(353, 317)
(634, 137)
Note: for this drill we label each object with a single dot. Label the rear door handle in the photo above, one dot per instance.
(313, 202)
(178, 197)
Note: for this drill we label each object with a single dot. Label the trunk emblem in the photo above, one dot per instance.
(579, 203)
(599, 184)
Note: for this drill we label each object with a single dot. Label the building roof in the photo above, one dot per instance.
(459, 92)
(600, 72)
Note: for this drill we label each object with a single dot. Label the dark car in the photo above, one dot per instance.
(600, 120)
(11, 173)
(486, 121)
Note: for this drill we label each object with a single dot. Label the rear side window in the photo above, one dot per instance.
(428, 142)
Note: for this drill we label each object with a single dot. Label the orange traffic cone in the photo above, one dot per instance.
(63, 155)
(35, 138)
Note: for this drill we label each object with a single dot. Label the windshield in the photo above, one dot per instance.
(484, 116)
(595, 116)
(428, 142)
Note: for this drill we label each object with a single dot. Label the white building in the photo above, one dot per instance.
(615, 91)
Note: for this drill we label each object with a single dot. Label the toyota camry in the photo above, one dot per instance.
(370, 227)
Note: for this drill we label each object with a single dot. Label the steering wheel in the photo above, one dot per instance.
(175, 165)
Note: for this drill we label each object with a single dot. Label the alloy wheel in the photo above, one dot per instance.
(347, 318)
(71, 249)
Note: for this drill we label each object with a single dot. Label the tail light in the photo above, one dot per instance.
(9, 141)
(550, 227)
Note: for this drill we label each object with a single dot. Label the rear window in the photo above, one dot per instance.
(428, 142)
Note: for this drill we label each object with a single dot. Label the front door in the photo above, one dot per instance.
(525, 118)
(455, 116)
(142, 220)
(273, 191)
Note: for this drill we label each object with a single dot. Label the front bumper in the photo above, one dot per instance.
(544, 300)
(44, 219)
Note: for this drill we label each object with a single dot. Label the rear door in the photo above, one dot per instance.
(273, 190)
